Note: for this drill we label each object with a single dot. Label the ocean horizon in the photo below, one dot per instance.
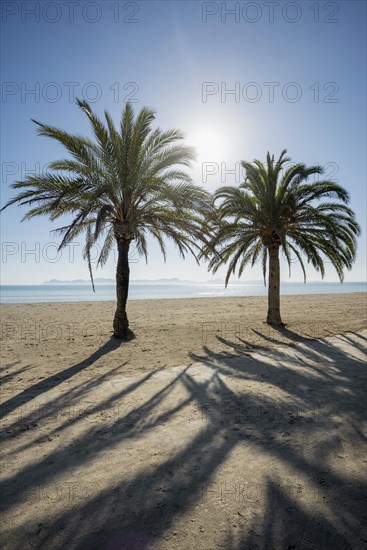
(22, 294)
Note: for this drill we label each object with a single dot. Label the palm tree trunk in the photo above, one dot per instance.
(121, 322)
(274, 287)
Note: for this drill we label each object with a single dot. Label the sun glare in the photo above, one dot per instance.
(210, 145)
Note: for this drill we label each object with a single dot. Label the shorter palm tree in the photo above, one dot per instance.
(272, 210)
(121, 186)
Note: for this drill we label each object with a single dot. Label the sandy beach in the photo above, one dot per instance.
(54, 336)
(209, 430)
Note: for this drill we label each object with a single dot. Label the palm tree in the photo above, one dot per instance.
(272, 210)
(122, 185)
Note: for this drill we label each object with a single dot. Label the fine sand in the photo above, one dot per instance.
(209, 430)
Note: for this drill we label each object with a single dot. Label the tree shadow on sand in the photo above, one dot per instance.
(140, 508)
(52, 381)
(285, 519)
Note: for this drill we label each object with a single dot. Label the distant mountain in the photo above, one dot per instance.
(175, 280)
(99, 280)
(102, 281)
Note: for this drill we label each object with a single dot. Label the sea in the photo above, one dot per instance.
(24, 294)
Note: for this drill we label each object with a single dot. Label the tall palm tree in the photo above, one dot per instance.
(281, 209)
(122, 185)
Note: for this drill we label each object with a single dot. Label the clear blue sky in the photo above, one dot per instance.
(296, 70)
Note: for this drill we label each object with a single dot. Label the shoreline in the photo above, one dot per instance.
(232, 297)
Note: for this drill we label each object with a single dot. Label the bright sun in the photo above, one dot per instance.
(210, 146)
